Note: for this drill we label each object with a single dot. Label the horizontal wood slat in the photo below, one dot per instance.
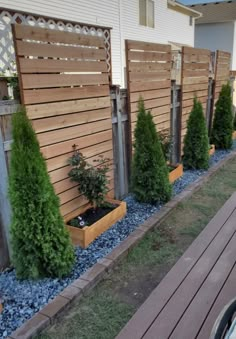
(68, 133)
(65, 88)
(148, 66)
(33, 81)
(54, 150)
(63, 107)
(148, 56)
(91, 151)
(47, 124)
(51, 35)
(141, 86)
(26, 48)
(36, 96)
(55, 66)
(134, 97)
(151, 103)
(60, 170)
(149, 77)
(148, 46)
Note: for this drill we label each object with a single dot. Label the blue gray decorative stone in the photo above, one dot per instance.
(22, 299)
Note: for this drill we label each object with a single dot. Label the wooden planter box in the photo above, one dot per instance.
(212, 149)
(176, 173)
(234, 135)
(1, 308)
(84, 236)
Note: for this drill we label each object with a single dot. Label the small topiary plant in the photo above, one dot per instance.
(196, 144)
(149, 177)
(222, 128)
(40, 242)
(93, 181)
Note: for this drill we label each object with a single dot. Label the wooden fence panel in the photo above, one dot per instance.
(222, 72)
(194, 81)
(149, 76)
(65, 88)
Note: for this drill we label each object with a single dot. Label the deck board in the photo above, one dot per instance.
(193, 284)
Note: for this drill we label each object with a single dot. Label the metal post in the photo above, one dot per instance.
(121, 172)
(174, 125)
(209, 104)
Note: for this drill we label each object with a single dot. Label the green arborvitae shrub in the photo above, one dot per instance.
(93, 181)
(149, 180)
(196, 144)
(222, 128)
(40, 242)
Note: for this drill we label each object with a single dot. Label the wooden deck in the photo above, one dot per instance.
(188, 300)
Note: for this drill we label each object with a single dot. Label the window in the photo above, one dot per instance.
(146, 13)
(190, 20)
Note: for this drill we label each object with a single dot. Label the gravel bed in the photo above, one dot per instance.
(24, 298)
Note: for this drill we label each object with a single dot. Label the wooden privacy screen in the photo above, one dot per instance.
(149, 75)
(64, 86)
(194, 80)
(222, 71)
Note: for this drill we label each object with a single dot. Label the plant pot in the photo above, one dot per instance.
(234, 135)
(176, 173)
(84, 236)
(212, 149)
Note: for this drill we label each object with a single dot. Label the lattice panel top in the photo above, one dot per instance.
(7, 53)
(65, 87)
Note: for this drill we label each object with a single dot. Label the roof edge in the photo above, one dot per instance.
(172, 4)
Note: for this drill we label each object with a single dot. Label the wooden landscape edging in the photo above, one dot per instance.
(85, 236)
(82, 286)
(65, 89)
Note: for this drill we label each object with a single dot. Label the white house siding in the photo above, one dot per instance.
(170, 25)
(121, 15)
(95, 12)
(216, 36)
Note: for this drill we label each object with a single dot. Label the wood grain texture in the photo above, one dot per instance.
(222, 72)
(85, 236)
(65, 88)
(148, 76)
(26, 48)
(194, 80)
(37, 96)
(35, 81)
(181, 303)
(51, 35)
(60, 66)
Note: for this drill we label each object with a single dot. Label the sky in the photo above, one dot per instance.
(191, 2)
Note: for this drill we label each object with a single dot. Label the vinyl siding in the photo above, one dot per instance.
(170, 26)
(121, 15)
(217, 36)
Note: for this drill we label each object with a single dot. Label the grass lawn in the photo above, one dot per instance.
(111, 304)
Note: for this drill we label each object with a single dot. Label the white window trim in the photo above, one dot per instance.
(146, 1)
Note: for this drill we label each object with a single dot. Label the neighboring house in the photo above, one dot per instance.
(216, 29)
(159, 21)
